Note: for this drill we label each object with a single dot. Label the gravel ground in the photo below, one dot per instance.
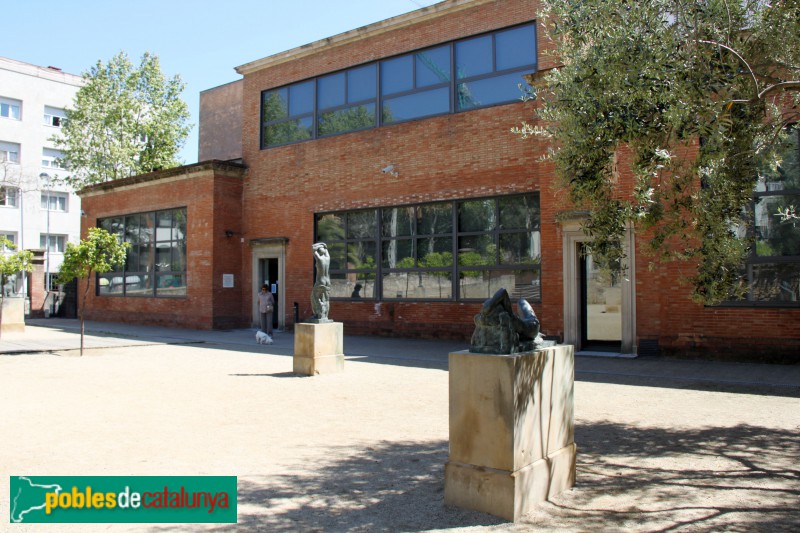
(365, 450)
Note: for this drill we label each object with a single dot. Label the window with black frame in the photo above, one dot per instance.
(346, 100)
(773, 269)
(351, 240)
(417, 251)
(489, 68)
(499, 246)
(287, 114)
(155, 264)
(416, 85)
(461, 75)
(463, 250)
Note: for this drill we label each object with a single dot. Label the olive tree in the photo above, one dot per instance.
(695, 95)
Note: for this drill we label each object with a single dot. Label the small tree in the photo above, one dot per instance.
(99, 252)
(12, 263)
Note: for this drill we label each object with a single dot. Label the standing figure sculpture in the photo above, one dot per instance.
(321, 293)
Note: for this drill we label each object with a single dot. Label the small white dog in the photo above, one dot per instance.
(263, 338)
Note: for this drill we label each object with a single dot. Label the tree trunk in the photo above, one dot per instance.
(83, 306)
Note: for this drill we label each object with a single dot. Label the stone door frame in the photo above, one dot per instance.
(268, 249)
(572, 237)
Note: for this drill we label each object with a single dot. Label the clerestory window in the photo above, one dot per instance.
(461, 75)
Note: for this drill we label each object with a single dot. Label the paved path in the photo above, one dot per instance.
(663, 445)
(58, 335)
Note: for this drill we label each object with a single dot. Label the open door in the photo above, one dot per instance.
(269, 276)
(600, 306)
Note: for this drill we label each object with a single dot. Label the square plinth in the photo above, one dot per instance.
(511, 429)
(318, 348)
(12, 319)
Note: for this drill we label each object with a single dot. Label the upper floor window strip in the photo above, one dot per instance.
(465, 74)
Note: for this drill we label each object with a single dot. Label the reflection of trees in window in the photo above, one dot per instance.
(156, 261)
(350, 119)
(495, 240)
(286, 115)
(415, 85)
(773, 269)
(351, 240)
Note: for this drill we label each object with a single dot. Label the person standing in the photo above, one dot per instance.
(266, 303)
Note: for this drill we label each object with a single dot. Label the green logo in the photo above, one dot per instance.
(123, 499)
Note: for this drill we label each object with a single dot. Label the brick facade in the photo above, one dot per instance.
(211, 192)
(457, 156)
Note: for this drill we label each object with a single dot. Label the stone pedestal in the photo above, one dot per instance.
(512, 440)
(13, 317)
(318, 348)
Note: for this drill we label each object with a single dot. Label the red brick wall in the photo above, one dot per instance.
(666, 313)
(456, 156)
(220, 132)
(211, 193)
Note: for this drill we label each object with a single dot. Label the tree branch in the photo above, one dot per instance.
(737, 54)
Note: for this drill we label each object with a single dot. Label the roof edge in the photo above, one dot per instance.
(210, 165)
(371, 30)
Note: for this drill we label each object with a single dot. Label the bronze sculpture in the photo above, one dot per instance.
(499, 331)
(321, 293)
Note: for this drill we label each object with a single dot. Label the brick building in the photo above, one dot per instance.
(391, 143)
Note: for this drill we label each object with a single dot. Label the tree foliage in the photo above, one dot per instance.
(125, 120)
(100, 252)
(696, 94)
(14, 262)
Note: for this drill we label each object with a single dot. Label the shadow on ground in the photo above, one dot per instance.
(386, 487)
(743, 478)
(709, 384)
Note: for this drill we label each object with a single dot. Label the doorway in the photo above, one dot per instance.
(269, 276)
(586, 297)
(600, 306)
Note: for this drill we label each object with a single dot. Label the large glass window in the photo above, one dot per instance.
(156, 261)
(436, 251)
(350, 237)
(773, 269)
(420, 84)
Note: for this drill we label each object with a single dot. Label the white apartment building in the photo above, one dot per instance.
(35, 211)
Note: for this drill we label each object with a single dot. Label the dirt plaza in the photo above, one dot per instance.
(663, 445)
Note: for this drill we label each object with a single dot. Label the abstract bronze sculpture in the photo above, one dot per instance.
(499, 331)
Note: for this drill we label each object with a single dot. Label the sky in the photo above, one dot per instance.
(202, 41)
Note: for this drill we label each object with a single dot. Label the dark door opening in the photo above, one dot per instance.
(601, 307)
(268, 271)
